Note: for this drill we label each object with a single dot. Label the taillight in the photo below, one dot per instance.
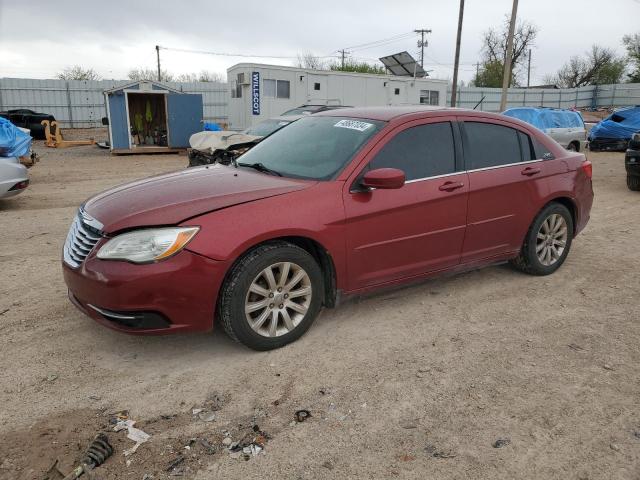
(587, 167)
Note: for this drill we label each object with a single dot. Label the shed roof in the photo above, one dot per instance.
(140, 82)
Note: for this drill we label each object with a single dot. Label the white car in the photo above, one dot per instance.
(13, 177)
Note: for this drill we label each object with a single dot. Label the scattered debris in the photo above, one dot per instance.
(208, 448)
(206, 416)
(175, 462)
(97, 453)
(576, 347)
(54, 473)
(328, 465)
(636, 433)
(435, 453)
(407, 457)
(302, 415)
(614, 447)
(118, 416)
(4, 311)
(52, 377)
(606, 366)
(501, 442)
(227, 441)
(95, 397)
(133, 433)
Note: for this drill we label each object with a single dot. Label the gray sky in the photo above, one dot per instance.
(38, 38)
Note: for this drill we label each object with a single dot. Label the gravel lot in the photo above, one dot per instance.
(417, 382)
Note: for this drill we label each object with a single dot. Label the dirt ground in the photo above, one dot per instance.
(418, 382)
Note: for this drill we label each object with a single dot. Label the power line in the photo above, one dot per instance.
(225, 54)
(383, 40)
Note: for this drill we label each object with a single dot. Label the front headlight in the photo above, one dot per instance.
(148, 245)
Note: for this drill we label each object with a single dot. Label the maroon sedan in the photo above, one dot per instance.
(338, 203)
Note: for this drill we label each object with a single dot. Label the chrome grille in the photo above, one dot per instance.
(80, 241)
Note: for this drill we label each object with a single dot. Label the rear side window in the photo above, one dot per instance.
(540, 150)
(421, 152)
(526, 147)
(490, 145)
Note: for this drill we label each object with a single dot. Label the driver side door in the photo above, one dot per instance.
(401, 233)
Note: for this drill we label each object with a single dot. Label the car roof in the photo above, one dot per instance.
(389, 113)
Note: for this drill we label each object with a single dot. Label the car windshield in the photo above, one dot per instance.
(312, 147)
(266, 128)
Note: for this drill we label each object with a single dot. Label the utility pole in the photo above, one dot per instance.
(506, 77)
(158, 57)
(529, 71)
(343, 52)
(422, 43)
(456, 63)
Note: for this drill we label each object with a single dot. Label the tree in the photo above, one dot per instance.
(489, 75)
(203, 76)
(78, 73)
(632, 44)
(351, 65)
(149, 74)
(597, 67)
(494, 52)
(310, 61)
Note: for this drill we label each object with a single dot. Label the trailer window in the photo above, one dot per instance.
(276, 88)
(430, 97)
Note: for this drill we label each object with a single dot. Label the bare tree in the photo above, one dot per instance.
(310, 61)
(632, 45)
(599, 66)
(78, 73)
(494, 52)
(150, 74)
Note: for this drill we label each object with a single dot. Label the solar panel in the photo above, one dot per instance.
(403, 65)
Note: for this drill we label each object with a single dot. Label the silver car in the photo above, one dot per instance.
(13, 177)
(565, 126)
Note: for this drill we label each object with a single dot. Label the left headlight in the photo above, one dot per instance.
(148, 245)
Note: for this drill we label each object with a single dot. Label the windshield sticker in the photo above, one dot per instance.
(354, 125)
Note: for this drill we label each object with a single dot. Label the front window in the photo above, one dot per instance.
(315, 148)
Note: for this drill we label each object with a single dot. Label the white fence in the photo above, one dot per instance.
(80, 104)
(593, 96)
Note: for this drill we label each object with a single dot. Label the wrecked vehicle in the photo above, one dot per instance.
(15, 145)
(614, 132)
(225, 146)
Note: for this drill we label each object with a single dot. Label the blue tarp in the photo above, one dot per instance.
(621, 124)
(544, 118)
(211, 127)
(13, 141)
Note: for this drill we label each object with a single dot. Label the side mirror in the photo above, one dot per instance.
(383, 178)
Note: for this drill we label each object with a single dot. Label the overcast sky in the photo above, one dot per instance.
(40, 38)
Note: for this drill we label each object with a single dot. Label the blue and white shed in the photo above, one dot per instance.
(149, 117)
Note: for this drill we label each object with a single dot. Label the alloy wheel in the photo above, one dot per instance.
(551, 239)
(278, 299)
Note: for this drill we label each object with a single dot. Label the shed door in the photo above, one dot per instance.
(118, 121)
(184, 113)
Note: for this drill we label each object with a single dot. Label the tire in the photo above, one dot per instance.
(554, 242)
(633, 182)
(572, 147)
(249, 273)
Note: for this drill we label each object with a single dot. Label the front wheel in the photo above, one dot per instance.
(548, 241)
(633, 182)
(271, 296)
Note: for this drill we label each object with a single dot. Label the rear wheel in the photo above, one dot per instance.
(272, 296)
(633, 182)
(548, 241)
(573, 147)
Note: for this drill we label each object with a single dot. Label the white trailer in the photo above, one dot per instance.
(262, 91)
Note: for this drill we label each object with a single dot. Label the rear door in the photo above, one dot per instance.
(184, 118)
(506, 187)
(419, 228)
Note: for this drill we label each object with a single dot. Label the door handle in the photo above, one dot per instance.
(529, 171)
(450, 186)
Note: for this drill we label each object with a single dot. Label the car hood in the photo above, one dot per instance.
(172, 198)
(223, 140)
